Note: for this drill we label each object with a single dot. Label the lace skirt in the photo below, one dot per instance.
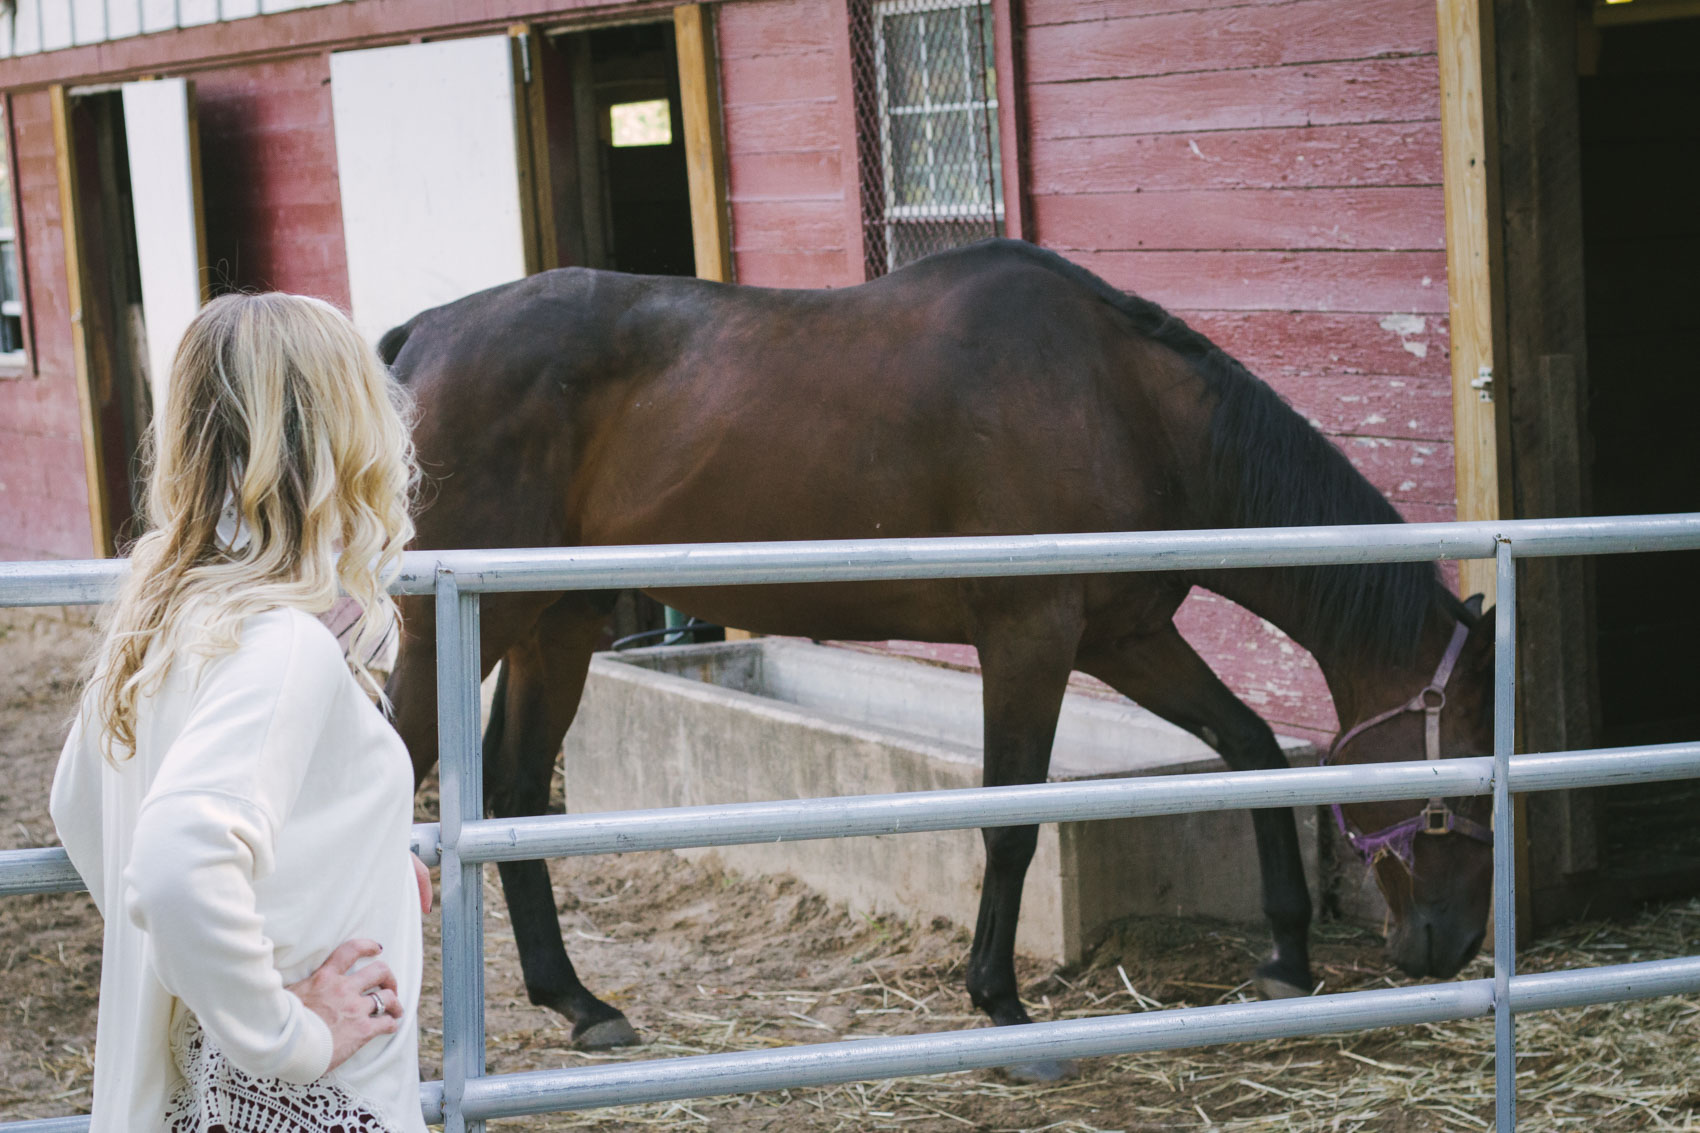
(216, 1097)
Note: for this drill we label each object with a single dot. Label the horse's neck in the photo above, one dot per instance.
(1360, 685)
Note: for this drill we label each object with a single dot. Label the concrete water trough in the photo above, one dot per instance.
(781, 719)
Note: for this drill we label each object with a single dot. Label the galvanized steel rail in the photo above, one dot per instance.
(464, 841)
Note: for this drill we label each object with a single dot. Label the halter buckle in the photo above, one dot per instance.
(1437, 819)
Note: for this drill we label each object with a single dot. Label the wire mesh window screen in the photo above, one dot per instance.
(927, 108)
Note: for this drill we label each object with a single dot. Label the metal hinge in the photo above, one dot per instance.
(1483, 385)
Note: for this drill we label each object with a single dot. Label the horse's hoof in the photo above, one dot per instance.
(1274, 987)
(1041, 1073)
(606, 1035)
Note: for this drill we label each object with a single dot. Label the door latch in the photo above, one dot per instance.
(1483, 385)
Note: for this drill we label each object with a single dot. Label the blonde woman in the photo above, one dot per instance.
(237, 805)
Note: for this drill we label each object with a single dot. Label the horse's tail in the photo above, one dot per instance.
(389, 346)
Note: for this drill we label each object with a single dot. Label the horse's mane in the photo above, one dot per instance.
(1271, 468)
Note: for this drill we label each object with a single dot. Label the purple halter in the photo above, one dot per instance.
(1436, 817)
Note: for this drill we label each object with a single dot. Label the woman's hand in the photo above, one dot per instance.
(423, 876)
(346, 1000)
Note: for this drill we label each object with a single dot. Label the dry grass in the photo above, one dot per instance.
(1613, 1067)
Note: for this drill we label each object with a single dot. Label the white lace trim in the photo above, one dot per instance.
(216, 1097)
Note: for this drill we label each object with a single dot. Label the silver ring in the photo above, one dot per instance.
(377, 1003)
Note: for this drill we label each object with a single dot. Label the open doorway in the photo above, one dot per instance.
(1640, 158)
(629, 208)
(130, 214)
(112, 327)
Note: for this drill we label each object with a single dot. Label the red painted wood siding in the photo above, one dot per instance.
(274, 220)
(791, 161)
(43, 493)
(1270, 171)
(269, 178)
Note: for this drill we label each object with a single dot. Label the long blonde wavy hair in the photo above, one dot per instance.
(278, 408)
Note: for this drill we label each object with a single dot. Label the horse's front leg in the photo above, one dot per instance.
(537, 696)
(1161, 672)
(1026, 655)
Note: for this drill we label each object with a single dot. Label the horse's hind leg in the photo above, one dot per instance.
(1025, 659)
(536, 698)
(1161, 672)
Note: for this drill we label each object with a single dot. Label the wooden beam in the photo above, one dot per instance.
(198, 198)
(705, 143)
(1010, 55)
(1472, 255)
(1544, 381)
(531, 148)
(70, 227)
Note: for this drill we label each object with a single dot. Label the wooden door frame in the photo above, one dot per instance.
(70, 226)
(1473, 266)
(1511, 155)
(698, 56)
(1545, 382)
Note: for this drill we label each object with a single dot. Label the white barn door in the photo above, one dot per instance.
(159, 128)
(427, 157)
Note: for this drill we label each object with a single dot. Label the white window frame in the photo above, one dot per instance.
(894, 214)
(12, 361)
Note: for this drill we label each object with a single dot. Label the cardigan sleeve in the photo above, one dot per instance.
(76, 806)
(207, 831)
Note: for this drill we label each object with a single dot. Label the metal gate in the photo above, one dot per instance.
(466, 1096)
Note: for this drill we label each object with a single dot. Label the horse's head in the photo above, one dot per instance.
(1433, 861)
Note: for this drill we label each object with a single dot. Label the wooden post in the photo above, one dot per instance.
(1472, 260)
(1008, 48)
(531, 150)
(198, 199)
(705, 143)
(94, 468)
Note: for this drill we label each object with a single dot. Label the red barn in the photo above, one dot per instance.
(1456, 235)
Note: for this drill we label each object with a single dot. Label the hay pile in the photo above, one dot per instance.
(1612, 1067)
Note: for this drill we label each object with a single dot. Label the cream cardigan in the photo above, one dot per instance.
(263, 819)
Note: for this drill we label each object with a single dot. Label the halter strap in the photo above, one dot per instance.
(1436, 816)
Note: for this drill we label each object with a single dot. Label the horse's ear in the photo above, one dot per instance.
(1474, 604)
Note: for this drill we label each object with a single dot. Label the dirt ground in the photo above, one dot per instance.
(704, 961)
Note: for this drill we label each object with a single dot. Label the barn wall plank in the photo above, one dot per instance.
(1381, 153)
(1377, 90)
(1273, 343)
(1072, 11)
(1393, 218)
(1282, 281)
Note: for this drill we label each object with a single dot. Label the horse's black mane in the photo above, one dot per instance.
(1273, 469)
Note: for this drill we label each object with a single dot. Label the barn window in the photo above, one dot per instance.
(927, 101)
(11, 288)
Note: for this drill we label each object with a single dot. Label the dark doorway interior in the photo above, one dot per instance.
(1640, 142)
(112, 308)
(633, 209)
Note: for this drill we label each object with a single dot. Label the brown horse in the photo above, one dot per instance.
(994, 389)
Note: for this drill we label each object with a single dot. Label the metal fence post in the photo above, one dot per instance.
(1504, 838)
(460, 775)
